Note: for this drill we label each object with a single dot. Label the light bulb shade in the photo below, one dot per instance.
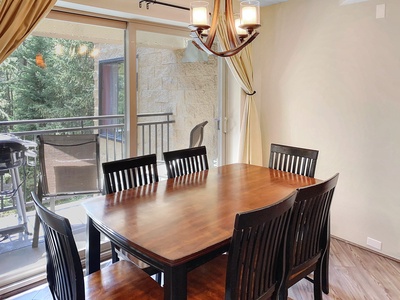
(240, 31)
(199, 15)
(250, 14)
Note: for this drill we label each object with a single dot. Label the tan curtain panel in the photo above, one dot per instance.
(17, 20)
(250, 147)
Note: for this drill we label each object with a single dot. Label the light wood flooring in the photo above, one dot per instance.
(354, 274)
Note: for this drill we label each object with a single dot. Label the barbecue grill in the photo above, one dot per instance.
(13, 154)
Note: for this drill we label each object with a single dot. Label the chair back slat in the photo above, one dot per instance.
(257, 252)
(293, 159)
(129, 173)
(186, 161)
(64, 269)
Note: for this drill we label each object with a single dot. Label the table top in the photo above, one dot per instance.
(178, 219)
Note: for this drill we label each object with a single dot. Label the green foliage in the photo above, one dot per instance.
(37, 83)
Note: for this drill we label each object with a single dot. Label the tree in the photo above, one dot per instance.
(47, 78)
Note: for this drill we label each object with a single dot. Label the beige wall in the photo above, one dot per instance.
(328, 78)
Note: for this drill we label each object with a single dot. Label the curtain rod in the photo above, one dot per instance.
(161, 3)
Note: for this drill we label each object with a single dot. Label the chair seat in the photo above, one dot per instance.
(121, 280)
(208, 280)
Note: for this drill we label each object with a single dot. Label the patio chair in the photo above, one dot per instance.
(125, 174)
(69, 166)
(293, 159)
(122, 280)
(254, 267)
(308, 236)
(186, 161)
(196, 135)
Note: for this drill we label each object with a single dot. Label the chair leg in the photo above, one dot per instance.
(158, 278)
(283, 293)
(35, 238)
(325, 261)
(318, 280)
(36, 228)
(325, 271)
(114, 255)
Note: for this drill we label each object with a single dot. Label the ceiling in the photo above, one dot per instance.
(270, 2)
(129, 9)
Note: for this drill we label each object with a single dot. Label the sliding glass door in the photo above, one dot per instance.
(177, 88)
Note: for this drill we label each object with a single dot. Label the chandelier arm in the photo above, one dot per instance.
(233, 38)
(200, 44)
(214, 24)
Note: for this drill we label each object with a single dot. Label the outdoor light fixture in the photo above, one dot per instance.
(240, 30)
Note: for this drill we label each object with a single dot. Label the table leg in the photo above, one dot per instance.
(92, 247)
(175, 283)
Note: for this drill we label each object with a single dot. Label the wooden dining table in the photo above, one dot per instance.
(178, 224)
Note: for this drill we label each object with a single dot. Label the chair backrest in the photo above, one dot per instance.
(69, 164)
(257, 253)
(293, 159)
(196, 135)
(64, 269)
(186, 161)
(129, 173)
(308, 229)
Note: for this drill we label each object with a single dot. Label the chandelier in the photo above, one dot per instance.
(240, 29)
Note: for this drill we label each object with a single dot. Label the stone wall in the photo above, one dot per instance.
(188, 90)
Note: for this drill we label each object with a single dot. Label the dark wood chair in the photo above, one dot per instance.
(122, 280)
(129, 173)
(186, 161)
(254, 267)
(125, 174)
(308, 236)
(293, 159)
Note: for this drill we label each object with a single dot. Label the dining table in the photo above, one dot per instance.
(178, 224)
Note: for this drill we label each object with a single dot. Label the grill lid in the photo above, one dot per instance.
(10, 143)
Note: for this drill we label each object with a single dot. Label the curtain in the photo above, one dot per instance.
(250, 145)
(17, 20)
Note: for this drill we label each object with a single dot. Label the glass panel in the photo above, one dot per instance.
(73, 76)
(175, 77)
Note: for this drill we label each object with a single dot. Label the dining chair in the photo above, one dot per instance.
(125, 174)
(197, 134)
(293, 159)
(308, 236)
(122, 280)
(186, 161)
(254, 265)
(69, 166)
(129, 173)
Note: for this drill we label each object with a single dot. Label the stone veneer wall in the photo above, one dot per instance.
(188, 90)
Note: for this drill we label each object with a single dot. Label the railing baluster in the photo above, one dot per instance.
(156, 139)
(142, 140)
(162, 141)
(107, 157)
(115, 145)
(149, 139)
(168, 133)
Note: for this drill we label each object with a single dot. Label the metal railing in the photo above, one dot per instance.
(153, 131)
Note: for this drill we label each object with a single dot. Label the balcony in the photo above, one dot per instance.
(20, 263)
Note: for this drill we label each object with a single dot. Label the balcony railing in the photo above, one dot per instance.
(153, 131)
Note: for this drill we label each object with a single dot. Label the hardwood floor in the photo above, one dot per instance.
(357, 274)
(354, 274)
